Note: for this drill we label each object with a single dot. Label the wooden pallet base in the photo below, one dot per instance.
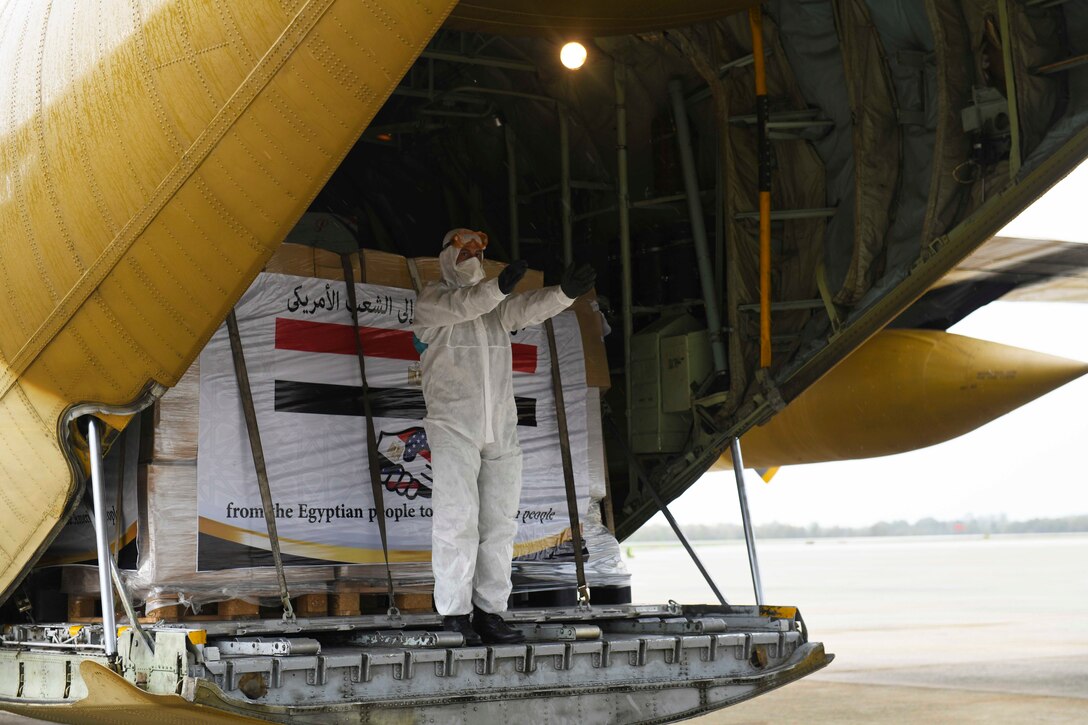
(84, 609)
(171, 613)
(414, 601)
(238, 609)
(311, 605)
(81, 607)
(344, 605)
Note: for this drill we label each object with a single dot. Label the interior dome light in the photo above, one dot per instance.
(573, 55)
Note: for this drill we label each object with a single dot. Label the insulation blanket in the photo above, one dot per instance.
(300, 354)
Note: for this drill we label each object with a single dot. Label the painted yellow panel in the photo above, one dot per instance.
(152, 155)
(113, 699)
(903, 390)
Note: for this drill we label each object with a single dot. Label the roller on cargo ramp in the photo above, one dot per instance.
(629, 664)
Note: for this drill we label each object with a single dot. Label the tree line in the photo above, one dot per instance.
(922, 527)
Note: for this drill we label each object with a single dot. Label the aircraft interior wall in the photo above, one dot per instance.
(871, 161)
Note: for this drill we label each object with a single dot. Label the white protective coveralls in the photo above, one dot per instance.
(471, 427)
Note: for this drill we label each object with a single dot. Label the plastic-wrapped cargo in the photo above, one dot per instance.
(202, 534)
(169, 542)
(555, 567)
(172, 435)
(305, 389)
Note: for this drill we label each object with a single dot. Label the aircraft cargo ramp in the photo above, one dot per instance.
(631, 664)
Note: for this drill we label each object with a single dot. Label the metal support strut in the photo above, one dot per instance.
(105, 583)
(564, 186)
(623, 203)
(698, 227)
(512, 190)
(640, 473)
(749, 536)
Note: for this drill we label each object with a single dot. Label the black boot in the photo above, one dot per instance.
(461, 624)
(493, 629)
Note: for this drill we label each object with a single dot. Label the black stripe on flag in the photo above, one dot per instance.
(327, 399)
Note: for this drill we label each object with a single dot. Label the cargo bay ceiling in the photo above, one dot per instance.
(150, 167)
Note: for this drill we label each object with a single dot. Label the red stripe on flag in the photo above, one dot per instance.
(304, 336)
(328, 337)
(524, 357)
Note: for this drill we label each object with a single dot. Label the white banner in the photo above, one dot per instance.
(299, 347)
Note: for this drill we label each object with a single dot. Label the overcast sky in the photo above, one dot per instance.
(1032, 462)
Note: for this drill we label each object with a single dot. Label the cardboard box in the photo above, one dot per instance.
(296, 259)
(589, 323)
(387, 269)
(176, 419)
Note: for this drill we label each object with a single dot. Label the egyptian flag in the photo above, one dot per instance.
(317, 371)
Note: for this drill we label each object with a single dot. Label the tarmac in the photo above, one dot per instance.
(819, 701)
(941, 629)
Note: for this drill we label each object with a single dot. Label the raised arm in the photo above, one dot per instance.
(440, 305)
(531, 308)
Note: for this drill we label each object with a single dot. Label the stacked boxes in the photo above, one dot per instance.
(168, 574)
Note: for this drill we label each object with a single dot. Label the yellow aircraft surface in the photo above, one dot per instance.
(787, 203)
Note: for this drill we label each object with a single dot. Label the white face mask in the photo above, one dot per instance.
(469, 272)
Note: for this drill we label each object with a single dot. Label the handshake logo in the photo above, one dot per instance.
(405, 461)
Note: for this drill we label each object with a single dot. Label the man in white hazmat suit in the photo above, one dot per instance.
(465, 322)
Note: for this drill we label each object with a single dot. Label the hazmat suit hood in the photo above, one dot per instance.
(466, 274)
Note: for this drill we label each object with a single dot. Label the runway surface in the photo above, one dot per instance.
(936, 629)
